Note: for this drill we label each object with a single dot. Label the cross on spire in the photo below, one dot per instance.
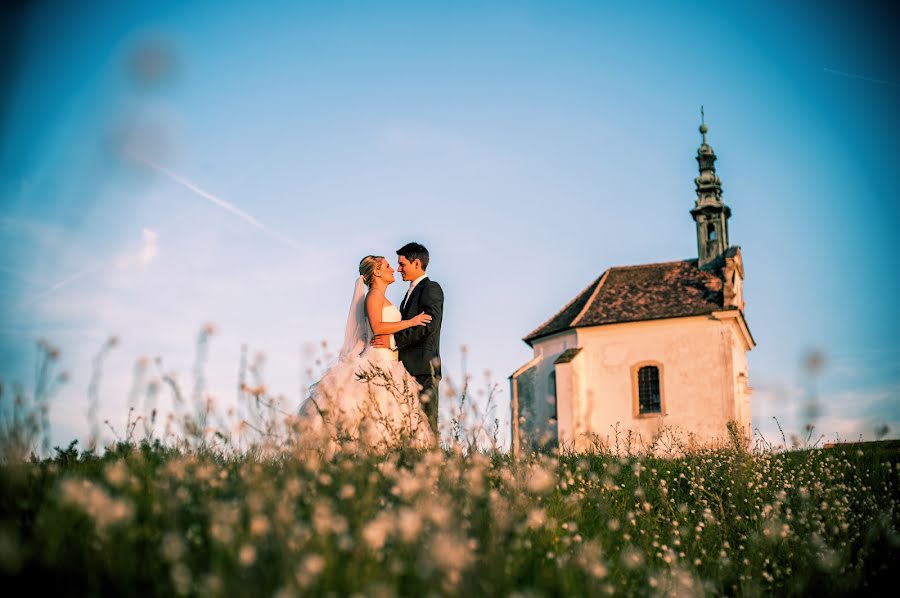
(703, 127)
(710, 212)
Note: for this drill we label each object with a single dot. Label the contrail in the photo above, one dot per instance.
(202, 193)
(60, 285)
(219, 202)
(861, 77)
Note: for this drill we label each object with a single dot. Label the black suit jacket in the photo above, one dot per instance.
(419, 348)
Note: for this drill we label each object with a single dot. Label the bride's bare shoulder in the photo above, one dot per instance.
(375, 295)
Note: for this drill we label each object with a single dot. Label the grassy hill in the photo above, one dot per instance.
(156, 520)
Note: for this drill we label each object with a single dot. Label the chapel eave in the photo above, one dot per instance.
(656, 291)
(738, 315)
(530, 341)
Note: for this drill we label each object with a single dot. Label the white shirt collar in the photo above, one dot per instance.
(413, 284)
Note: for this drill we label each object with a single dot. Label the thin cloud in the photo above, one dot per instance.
(150, 249)
(148, 252)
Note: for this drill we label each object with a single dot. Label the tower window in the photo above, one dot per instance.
(646, 380)
(711, 232)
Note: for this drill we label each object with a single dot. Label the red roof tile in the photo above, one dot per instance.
(635, 293)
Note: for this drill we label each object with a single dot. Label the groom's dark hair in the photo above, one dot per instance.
(415, 251)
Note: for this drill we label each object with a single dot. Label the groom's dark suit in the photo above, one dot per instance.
(419, 347)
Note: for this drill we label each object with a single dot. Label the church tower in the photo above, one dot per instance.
(710, 212)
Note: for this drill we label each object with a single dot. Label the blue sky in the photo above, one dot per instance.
(530, 146)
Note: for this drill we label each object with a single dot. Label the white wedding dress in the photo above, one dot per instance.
(367, 398)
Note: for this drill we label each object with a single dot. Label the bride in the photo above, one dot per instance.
(368, 396)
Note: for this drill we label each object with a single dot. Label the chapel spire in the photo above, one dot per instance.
(710, 212)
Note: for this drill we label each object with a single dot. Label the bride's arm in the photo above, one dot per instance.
(432, 303)
(374, 307)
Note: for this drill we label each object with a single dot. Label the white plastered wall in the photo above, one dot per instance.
(699, 359)
(549, 349)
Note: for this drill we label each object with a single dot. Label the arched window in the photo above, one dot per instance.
(711, 232)
(648, 389)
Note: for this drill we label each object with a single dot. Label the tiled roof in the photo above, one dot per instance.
(635, 293)
(567, 355)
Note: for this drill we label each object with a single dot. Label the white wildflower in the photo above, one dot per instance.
(376, 532)
(450, 552)
(537, 518)
(116, 474)
(409, 523)
(632, 557)
(539, 480)
(247, 555)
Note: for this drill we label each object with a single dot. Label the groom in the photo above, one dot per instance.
(420, 347)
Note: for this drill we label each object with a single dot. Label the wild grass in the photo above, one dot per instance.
(201, 514)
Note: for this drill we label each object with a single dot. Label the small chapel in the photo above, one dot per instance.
(644, 348)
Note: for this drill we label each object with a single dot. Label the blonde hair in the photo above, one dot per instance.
(367, 267)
